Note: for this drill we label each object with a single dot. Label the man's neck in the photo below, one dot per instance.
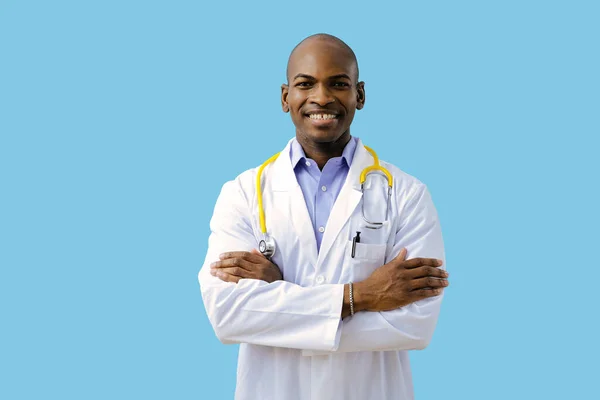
(322, 152)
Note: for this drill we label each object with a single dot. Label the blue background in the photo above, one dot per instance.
(120, 121)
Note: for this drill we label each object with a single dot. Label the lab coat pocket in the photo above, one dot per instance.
(367, 258)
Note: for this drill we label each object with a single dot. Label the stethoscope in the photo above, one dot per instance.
(267, 245)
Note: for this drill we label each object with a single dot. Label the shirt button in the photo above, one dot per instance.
(324, 188)
(321, 229)
(320, 279)
(308, 164)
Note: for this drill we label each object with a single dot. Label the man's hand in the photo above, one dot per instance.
(400, 282)
(238, 265)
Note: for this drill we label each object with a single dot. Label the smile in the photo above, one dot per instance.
(322, 116)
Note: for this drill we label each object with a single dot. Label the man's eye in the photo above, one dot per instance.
(340, 84)
(303, 84)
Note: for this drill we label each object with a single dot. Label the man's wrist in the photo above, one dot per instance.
(363, 298)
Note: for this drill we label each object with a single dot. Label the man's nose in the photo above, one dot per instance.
(321, 95)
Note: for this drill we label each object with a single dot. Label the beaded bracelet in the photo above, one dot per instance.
(351, 298)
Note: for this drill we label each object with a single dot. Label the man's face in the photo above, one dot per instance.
(322, 92)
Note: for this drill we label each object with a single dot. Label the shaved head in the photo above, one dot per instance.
(324, 39)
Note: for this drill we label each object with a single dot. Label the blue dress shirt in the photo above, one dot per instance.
(321, 188)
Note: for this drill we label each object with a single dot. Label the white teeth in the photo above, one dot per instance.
(321, 116)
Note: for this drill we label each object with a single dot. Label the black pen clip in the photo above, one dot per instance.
(355, 239)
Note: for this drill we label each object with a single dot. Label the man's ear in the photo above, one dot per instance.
(360, 95)
(284, 94)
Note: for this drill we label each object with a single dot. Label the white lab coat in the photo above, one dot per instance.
(293, 343)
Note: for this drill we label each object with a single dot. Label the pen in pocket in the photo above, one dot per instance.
(355, 239)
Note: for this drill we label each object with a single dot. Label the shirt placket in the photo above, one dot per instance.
(322, 205)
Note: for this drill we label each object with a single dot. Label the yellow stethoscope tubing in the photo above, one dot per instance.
(363, 177)
(261, 209)
(375, 167)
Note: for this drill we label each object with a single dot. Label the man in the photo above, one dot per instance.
(332, 314)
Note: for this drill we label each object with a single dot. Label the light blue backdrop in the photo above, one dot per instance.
(120, 121)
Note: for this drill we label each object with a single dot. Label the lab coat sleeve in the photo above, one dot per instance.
(280, 313)
(410, 327)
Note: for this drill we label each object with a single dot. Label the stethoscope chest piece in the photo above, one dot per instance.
(267, 246)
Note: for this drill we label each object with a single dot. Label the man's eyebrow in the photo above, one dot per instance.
(338, 76)
(304, 76)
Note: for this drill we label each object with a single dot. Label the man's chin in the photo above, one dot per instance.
(321, 135)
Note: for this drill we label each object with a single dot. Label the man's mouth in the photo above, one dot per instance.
(320, 117)
(323, 118)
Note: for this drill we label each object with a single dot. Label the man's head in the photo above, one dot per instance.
(323, 90)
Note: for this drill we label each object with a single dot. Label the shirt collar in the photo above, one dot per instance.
(297, 152)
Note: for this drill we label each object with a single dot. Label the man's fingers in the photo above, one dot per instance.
(252, 255)
(418, 262)
(429, 282)
(426, 293)
(424, 271)
(232, 262)
(235, 271)
(226, 277)
(234, 254)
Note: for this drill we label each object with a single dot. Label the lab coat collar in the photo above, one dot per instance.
(362, 159)
(284, 178)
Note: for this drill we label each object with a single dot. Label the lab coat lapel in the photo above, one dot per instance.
(285, 182)
(346, 201)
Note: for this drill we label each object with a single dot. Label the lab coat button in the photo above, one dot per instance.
(320, 279)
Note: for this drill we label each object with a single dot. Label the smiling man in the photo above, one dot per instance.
(351, 273)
